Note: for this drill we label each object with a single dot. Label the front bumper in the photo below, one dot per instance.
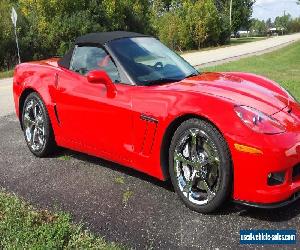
(294, 198)
(280, 153)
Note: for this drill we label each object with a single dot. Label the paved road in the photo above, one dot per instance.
(93, 191)
(6, 97)
(217, 56)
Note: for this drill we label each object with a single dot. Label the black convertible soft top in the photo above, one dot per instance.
(105, 37)
(100, 38)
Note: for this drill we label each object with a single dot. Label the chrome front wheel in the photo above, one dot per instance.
(200, 165)
(197, 166)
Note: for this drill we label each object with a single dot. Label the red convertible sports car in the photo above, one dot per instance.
(127, 98)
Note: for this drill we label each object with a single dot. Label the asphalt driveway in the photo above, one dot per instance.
(121, 204)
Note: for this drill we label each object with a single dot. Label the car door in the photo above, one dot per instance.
(96, 123)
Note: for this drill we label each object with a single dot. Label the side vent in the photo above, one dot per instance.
(56, 114)
(148, 118)
(149, 134)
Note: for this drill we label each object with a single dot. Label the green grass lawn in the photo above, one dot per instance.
(282, 66)
(6, 74)
(242, 40)
(23, 227)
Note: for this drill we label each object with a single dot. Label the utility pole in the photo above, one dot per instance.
(230, 14)
(283, 21)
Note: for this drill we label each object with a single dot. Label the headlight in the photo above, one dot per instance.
(258, 121)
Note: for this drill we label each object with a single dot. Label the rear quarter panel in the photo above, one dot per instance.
(39, 77)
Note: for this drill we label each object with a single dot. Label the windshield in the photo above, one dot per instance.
(149, 62)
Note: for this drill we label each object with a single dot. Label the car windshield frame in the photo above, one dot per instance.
(148, 62)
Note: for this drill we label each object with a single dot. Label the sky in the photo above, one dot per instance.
(263, 9)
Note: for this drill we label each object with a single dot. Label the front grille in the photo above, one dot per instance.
(296, 171)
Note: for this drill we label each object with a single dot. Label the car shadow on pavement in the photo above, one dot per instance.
(271, 215)
(114, 166)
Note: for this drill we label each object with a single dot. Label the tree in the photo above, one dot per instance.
(47, 28)
(241, 14)
(207, 23)
(259, 27)
(282, 22)
(294, 25)
(56, 23)
(190, 24)
(269, 23)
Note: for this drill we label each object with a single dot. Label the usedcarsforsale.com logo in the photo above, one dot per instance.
(268, 236)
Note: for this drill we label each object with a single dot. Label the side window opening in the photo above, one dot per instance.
(87, 58)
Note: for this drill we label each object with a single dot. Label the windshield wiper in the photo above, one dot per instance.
(191, 75)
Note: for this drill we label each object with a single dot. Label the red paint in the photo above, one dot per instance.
(111, 127)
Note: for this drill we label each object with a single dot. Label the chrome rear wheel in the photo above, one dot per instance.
(34, 125)
(37, 127)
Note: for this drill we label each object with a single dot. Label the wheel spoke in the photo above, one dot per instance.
(41, 139)
(189, 184)
(212, 153)
(211, 150)
(29, 106)
(193, 144)
(212, 159)
(27, 121)
(210, 193)
(39, 120)
(35, 106)
(41, 129)
(34, 135)
(179, 157)
(187, 189)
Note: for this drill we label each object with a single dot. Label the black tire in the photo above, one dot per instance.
(225, 172)
(48, 146)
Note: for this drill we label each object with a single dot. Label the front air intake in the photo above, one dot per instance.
(296, 172)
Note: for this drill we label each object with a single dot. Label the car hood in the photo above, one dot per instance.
(242, 89)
